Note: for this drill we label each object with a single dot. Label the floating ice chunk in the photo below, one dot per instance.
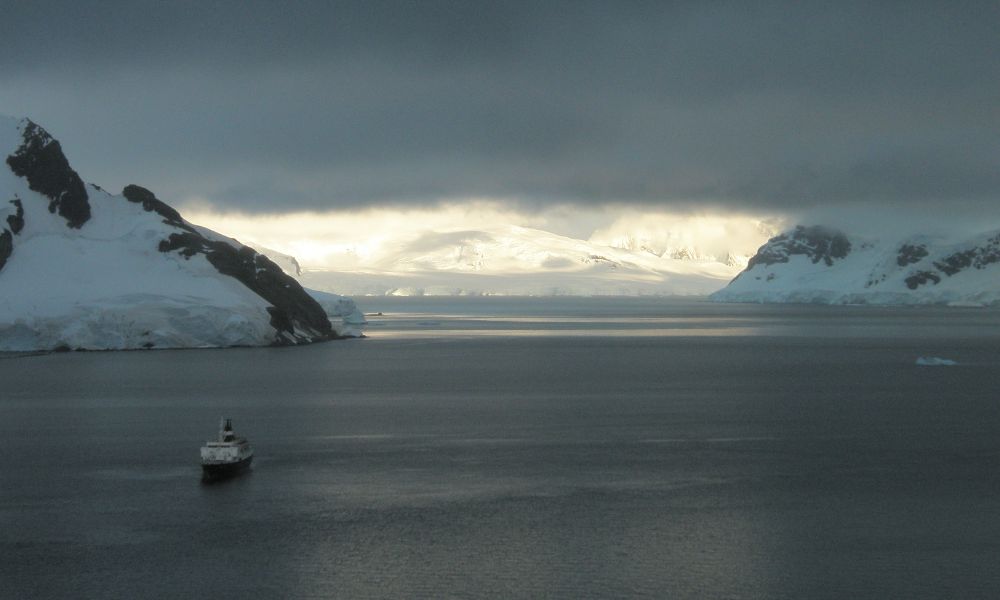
(935, 361)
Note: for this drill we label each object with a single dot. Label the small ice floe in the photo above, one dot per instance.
(935, 361)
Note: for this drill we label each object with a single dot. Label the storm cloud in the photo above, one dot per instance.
(272, 107)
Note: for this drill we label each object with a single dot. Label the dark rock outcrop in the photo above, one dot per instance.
(16, 220)
(977, 257)
(957, 262)
(920, 278)
(150, 203)
(910, 253)
(41, 161)
(293, 312)
(817, 243)
(15, 223)
(598, 259)
(6, 246)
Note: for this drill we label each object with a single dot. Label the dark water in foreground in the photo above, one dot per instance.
(521, 448)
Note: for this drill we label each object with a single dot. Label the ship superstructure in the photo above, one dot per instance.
(228, 455)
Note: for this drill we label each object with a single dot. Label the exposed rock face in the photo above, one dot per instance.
(140, 195)
(15, 223)
(977, 257)
(910, 254)
(921, 277)
(817, 243)
(598, 259)
(41, 161)
(6, 246)
(294, 313)
(16, 220)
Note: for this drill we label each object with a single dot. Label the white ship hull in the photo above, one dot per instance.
(227, 456)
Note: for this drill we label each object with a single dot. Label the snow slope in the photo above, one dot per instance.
(287, 262)
(820, 265)
(83, 269)
(512, 260)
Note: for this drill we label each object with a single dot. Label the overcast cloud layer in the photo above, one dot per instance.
(266, 106)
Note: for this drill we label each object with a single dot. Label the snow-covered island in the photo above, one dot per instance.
(824, 266)
(81, 268)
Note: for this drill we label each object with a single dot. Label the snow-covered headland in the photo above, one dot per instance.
(81, 268)
(825, 266)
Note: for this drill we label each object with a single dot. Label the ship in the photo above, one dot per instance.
(229, 455)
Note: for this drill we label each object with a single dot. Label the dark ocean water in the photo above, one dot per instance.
(521, 449)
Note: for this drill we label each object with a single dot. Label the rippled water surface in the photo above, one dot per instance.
(560, 448)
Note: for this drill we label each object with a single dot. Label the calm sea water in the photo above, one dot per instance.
(556, 448)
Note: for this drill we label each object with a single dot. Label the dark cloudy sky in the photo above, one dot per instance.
(272, 106)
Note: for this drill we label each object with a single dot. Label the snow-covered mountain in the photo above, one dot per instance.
(83, 268)
(512, 260)
(823, 265)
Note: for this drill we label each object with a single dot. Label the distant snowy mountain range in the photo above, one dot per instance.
(802, 265)
(81, 268)
(822, 265)
(513, 260)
